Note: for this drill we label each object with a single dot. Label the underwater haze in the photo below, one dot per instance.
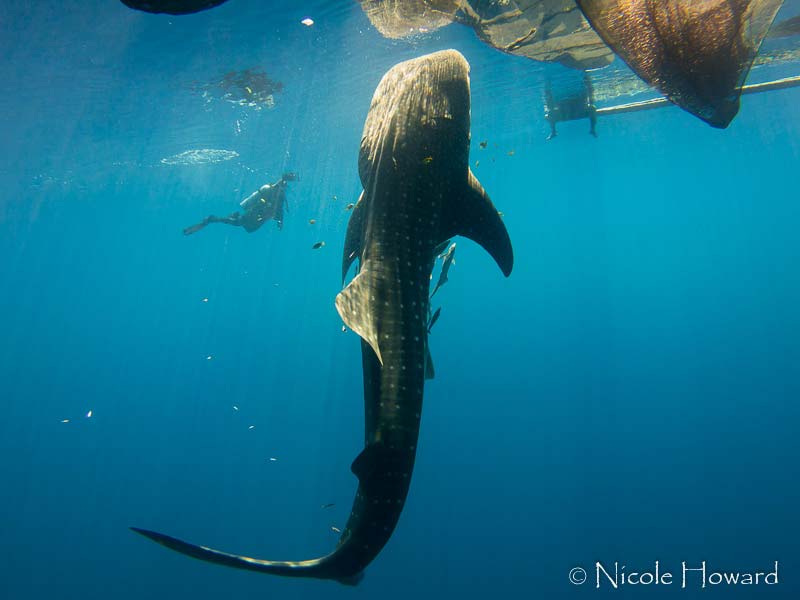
(630, 394)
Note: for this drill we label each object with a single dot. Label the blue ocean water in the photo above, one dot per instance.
(629, 394)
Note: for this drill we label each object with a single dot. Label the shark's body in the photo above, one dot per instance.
(418, 192)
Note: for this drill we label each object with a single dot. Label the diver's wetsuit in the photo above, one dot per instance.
(265, 204)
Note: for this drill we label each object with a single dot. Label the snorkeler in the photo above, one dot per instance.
(577, 106)
(265, 204)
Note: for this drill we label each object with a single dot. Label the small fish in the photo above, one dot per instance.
(318, 245)
(501, 213)
(89, 415)
(434, 318)
(335, 197)
(249, 91)
(329, 505)
(344, 329)
(236, 408)
(349, 206)
(209, 357)
(448, 260)
(273, 459)
(477, 163)
(312, 221)
(483, 144)
(427, 160)
(308, 21)
(335, 529)
(205, 299)
(252, 427)
(65, 420)
(511, 153)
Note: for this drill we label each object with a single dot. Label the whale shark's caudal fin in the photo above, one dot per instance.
(321, 568)
(475, 217)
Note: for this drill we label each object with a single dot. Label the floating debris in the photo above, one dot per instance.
(202, 156)
(427, 160)
(334, 198)
(250, 88)
(318, 245)
(335, 529)
(511, 153)
(329, 505)
(349, 206)
(483, 144)
(500, 213)
(308, 21)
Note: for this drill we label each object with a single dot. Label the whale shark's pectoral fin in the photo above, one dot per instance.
(354, 237)
(353, 304)
(475, 217)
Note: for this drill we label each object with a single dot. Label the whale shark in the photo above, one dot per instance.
(418, 193)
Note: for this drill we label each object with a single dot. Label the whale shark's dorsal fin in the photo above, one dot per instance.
(355, 236)
(353, 304)
(369, 460)
(475, 217)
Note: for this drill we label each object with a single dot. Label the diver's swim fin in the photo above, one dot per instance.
(194, 228)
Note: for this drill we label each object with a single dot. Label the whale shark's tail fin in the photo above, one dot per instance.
(320, 568)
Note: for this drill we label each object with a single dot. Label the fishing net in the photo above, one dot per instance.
(696, 52)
